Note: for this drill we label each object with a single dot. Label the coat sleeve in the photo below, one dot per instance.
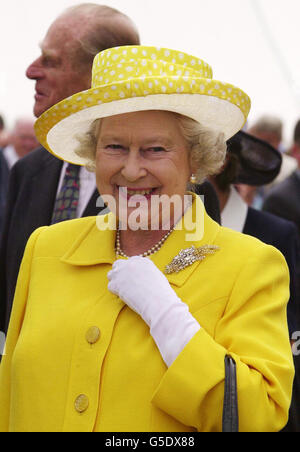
(253, 330)
(18, 311)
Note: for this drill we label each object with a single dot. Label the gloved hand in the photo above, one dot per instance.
(146, 290)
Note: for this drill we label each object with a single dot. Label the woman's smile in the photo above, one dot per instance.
(138, 193)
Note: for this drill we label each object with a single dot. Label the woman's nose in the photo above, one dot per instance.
(133, 168)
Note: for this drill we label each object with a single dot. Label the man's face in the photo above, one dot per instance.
(55, 70)
(23, 138)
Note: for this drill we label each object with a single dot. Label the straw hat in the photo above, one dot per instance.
(138, 78)
(259, 163)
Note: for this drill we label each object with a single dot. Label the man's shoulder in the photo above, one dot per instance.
(283, 199)
(271, 222)
(284, 188)
(34, 160)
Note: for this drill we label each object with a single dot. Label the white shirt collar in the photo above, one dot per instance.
(235, 212)
(10, 155)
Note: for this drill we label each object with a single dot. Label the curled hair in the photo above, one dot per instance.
(207, 147)
(87, 145)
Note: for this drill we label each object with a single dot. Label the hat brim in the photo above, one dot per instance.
(216, 105)
(259, 162)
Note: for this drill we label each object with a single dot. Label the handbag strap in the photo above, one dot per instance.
(230, 407)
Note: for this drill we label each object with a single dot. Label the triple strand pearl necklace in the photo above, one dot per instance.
(151, 251)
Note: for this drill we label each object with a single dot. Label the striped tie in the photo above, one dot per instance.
(66, 203)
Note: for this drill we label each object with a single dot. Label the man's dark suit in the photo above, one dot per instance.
(284, 199)
(31, 196)
(283, 235)
(4, 175)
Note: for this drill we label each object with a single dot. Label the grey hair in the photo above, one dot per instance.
(102, 27)
(207, 147)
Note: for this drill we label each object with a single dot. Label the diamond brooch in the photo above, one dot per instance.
(187, 257)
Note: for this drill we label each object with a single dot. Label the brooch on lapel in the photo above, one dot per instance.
(188, 256)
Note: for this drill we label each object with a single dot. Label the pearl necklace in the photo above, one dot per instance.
(152, 250)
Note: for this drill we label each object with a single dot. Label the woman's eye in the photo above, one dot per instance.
(113, 146)
(156, 149)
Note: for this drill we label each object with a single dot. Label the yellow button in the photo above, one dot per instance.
(93, 335)
(81, 403)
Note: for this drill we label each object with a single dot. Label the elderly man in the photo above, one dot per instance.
(22, 141)
(38, 181)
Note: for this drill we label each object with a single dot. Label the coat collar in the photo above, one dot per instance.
(94, 246)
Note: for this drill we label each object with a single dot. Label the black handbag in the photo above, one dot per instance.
(230, 407)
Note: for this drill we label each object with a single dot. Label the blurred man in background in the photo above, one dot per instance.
(4, 135)
(270, 129)
(21, 142)
(284, 199)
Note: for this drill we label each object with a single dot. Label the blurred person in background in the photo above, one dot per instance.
(4, 171)
(254, 162)
(22, 142)
(62, 69)
(284, 199)
(4, 134)
(270, 129)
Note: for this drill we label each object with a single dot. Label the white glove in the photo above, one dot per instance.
(146, 290)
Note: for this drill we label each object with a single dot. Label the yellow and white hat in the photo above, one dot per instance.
(138, 78)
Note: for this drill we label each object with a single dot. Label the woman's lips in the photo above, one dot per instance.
(139, 194)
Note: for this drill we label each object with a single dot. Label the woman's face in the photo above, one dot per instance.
(140, 155)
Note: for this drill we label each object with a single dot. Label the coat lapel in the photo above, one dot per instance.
(44, 187)
(95, 246)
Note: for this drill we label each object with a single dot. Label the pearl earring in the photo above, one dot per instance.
(193, 179)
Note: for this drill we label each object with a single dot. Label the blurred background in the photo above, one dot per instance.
(251, 43)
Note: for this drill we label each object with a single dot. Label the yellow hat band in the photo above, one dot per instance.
(129, 62)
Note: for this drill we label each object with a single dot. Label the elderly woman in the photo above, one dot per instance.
(122, 322)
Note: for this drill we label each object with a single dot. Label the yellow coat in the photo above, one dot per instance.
(78, 359)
